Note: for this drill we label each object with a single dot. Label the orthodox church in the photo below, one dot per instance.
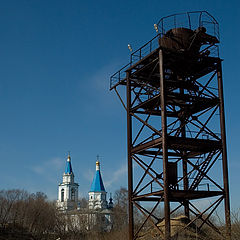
(98, 211)
(68, 189)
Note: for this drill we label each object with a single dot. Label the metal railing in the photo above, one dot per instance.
(146, 49)
(191, 20)
(119, 76)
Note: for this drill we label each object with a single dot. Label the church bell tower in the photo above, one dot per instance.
(68, 189)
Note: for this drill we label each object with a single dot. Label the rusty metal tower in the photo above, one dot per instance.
(176, 127)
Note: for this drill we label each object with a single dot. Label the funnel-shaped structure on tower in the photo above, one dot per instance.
(176, 127)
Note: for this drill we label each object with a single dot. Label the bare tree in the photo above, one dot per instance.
(120, 210)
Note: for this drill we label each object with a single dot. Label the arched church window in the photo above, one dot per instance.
(73, 194)
(62, 195)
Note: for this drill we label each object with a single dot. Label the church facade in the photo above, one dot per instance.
(99, 210)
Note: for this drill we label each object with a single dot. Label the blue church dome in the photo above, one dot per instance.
(97, 183)
(68, 169)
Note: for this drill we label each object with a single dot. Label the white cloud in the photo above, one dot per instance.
(55, 164)
(100, 80)
(88, 175)
(98, 96)
(38, 169)
(115, 176)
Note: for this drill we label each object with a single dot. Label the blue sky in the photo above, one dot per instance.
(56, 58)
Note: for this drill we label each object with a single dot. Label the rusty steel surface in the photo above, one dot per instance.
(176, 137)
(130, 171)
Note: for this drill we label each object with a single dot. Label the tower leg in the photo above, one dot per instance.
(129, 145)
(184, 163)
(224, 153)
(164, 148)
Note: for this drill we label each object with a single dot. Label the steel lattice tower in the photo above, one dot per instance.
(176, 127)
